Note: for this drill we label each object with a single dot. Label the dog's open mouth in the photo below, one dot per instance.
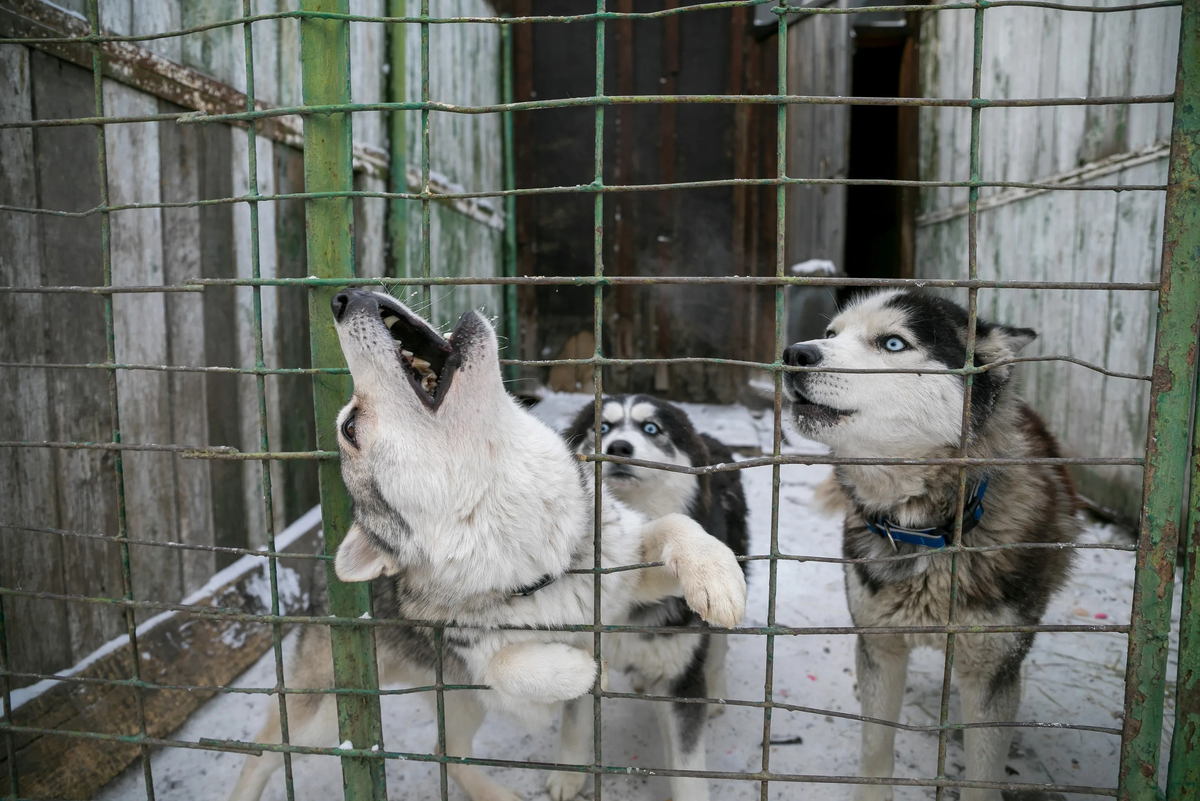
(427, 359)
(809, 411)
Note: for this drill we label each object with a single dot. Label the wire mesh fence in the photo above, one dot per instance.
(329, 196)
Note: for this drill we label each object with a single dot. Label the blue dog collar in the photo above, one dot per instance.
(938, 536)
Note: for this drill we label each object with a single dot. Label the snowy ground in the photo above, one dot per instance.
(1073, 678)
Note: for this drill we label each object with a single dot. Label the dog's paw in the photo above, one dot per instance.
(565, 786)
(543, 672)
(713, 583)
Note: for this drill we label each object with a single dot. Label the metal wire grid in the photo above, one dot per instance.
(327, 110)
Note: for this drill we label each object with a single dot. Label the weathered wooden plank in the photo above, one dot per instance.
(220, 313)
(156, 16)
(1075, 32)
(180, 166)
(36, 631)
(1151, 72)
(68, 179)
(249, 435)
(298, 482)
(1105, 129)
(140, 328)
(176, 649)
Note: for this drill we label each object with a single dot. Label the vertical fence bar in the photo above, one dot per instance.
(968, 383)
(397, 218)
(1181, 252)
(597, 378)
(1171, 394)
(426, 289)
(260, 385)
(93, 12)
(777, 420)
(512, 328)
(325, 55)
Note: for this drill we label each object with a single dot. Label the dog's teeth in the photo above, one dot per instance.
(408, 354)
(390, 320)
(418, 363)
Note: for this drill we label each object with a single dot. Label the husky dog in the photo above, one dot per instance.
(477, 514)
(910, 511)
(679, 665)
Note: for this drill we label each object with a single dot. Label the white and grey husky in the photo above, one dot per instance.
(469, 510)
(676, 665)
(910, 511)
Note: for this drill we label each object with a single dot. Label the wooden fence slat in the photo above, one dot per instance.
(180, 164)
(68, 178)
(36, 631)
(140, 328)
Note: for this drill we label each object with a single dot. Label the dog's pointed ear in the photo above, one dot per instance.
(359, 559)
(1001, 341)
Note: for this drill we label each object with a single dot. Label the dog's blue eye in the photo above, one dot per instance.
(604, 428)
(650, 429)
(895, 344)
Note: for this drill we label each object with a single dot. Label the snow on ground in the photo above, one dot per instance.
(1069, 677)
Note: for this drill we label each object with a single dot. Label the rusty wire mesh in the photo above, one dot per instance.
(1154, 548)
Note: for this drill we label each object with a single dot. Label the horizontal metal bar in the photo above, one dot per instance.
(1056, 546)
(593, 360)
(785, 707)
(756, 776)
(201, 118)
(595, 101)
(573, 18)
(120, 446)
(183, 546)
(223, 613)
(454, 197)
(665, 280)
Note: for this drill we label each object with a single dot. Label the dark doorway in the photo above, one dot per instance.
(880, 219)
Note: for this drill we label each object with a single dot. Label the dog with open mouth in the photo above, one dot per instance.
(899, 518)
(470, 511)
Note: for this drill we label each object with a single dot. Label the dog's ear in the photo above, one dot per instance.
(359, 559)
(996, 342)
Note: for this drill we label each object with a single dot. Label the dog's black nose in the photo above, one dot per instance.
(801, 355)
(341, 302)
(620, 448)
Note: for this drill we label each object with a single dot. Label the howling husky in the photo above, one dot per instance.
(909, 511)
(469, 510)
(679, 665)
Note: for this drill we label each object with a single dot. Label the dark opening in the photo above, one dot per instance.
(875, 243)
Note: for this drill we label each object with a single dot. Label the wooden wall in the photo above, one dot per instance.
(169, 498)
(1059, 236)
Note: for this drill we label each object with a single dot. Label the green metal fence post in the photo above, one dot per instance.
(325, 54)
(1181, 250)
(1171, 395)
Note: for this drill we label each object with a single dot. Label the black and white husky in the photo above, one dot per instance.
(911, 510)
(677, 665)
(476, 513)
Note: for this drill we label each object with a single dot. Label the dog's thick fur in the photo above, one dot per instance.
(919, 415)
(465, 502)
(679, 665)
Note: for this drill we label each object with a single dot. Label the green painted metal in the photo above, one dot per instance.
(325, 54)
(1171, 400)
(397, 218)
(1181, 250)
(598, 389)
(512, 327)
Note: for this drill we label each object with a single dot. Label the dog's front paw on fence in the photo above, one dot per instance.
(712, 581)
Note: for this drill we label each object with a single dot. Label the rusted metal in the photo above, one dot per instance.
(1181, 251)
(1172, 392)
